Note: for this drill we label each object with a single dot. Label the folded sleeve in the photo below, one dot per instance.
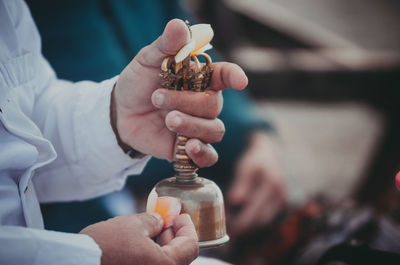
(75, 117)
(23, 246)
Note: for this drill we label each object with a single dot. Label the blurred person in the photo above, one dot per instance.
(249, 169)
(64, 141)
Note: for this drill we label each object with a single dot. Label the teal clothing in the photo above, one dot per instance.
(95, 40)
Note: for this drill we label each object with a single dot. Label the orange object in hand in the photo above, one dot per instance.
(168, 207)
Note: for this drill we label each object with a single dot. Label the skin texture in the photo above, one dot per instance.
(129, 240)
(258, 190)
(148, 117)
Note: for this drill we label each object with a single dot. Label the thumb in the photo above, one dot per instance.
(183, 249)
(151, 223)
(176, 34)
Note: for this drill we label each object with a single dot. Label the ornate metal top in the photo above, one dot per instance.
(191, 75)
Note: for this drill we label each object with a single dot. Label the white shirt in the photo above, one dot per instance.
(56, 144)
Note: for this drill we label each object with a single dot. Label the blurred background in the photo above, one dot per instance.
(325, 73)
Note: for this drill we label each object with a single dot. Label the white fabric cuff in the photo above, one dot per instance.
(23, 246)
(208, 261)
(64, 248)
(101, 151)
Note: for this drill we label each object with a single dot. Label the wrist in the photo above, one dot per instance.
(90, 231)
(113, 119)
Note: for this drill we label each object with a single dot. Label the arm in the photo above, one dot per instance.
(121, 240)
(75, 117)
(27, 246)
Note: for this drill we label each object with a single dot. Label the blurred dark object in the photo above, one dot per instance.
(278, 243)
(358, 255)
(354, 235)
(321, 233)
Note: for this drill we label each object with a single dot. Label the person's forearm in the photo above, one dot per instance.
(75, 117)
(113, 120)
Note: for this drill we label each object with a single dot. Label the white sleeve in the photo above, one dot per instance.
(28, 246)
(75, 117)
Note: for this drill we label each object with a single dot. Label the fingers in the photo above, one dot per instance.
(183, 249)
(260, 203)
(166, 236)
(175, 36)
(206, 104)
(228, 75)
(151, 223)
(202, 132)
(248, 216)
(183, 226)
(203, 155)
(241, 186)
(209, 131)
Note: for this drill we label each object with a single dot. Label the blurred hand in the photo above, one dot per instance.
(128, 240)
(258, 189)
(148, 117)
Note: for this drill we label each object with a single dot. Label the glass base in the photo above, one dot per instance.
(214, 243)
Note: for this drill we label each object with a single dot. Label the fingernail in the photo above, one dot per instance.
(176, 121)
(197, 149)
(159, 98)
(156, 215)
(186, 216)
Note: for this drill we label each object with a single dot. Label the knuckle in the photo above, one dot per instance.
(147, 220)
(195, 249)
(219, 130)
(174, 249)
(142, 56)
(210, 157)
(192, 249)
(213, 112)
(216, 157)
(213, 103)
(168, 261)
(152, 220)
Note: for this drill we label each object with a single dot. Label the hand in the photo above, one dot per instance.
(128, 240)
(148, 118)
(258, 189)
